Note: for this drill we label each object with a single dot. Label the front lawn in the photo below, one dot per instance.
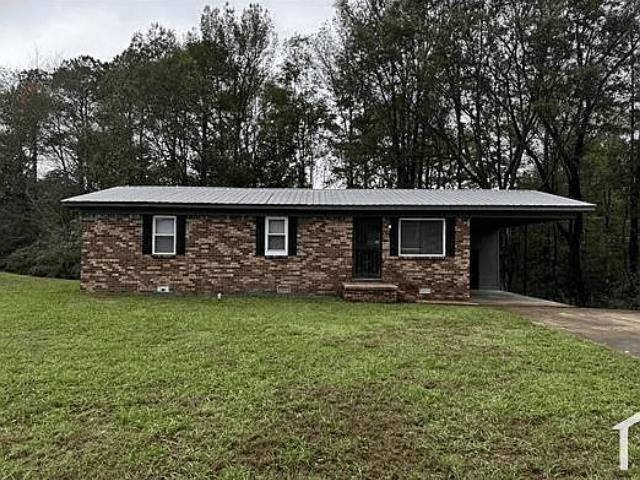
(191, 387)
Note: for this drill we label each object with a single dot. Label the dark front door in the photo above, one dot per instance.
(367, 247)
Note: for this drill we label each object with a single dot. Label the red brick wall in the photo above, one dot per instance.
(370, 292)
(220, 257)
(448, 278)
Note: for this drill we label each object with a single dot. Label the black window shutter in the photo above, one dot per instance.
(293, 236)
(451, 237)
(259, 236)
(393, 237)
(181, 232)
(147, 230)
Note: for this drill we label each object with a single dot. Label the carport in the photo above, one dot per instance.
(486, 227)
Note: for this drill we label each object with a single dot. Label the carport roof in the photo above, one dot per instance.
(327, 199)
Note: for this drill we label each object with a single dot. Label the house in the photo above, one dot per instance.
(364, 244)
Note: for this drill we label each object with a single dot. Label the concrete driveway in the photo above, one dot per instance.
(502, 298)
(619, 329)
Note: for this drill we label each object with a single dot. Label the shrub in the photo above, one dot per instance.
(50, 258)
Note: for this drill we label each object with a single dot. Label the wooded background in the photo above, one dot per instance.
(391, 93)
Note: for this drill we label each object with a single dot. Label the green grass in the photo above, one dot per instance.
(191, 387)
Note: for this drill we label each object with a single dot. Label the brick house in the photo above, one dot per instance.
(364, 244)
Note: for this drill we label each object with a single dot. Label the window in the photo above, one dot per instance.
(276, 233)
(164, 235)
(422, 237)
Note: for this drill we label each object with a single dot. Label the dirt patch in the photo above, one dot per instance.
(372, 430)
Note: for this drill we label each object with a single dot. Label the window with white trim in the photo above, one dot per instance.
(164, 235)
(422, 237)
(276, 236)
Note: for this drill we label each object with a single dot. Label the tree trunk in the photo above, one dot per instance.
(572, 170)
(634, 190)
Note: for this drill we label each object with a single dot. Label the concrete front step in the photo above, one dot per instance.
(370, 292)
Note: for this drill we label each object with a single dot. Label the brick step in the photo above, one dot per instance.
(370, 292)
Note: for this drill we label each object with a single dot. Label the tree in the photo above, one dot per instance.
(70, 133)
(386, 74)
(230, 66)
(294, 117)
(577, 50)
(25, 106)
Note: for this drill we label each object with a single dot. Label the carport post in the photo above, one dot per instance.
(525, 272)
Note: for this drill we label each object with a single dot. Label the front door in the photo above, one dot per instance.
(367, 247)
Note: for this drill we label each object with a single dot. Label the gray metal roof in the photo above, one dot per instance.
(329, 199)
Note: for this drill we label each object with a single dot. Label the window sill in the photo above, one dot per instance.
(163, 255)
(275, 256)
(423, 257)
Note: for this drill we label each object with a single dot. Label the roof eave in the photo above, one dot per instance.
(571, 209)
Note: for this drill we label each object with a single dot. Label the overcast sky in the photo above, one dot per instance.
(45, 29)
